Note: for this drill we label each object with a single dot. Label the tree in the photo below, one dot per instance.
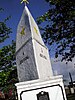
(60, 27)
(8, 72)
(4, 30)
(7, 63)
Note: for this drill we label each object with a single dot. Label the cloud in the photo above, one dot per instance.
(61, 68)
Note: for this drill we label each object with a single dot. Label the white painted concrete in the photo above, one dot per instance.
(32, 57)
(42, 60)
(29, 90)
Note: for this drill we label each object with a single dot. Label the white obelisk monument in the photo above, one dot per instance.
(32, 55)
(36, 80)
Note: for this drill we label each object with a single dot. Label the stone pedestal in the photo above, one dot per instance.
(51, 89)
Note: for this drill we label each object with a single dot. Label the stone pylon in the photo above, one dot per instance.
(32, 55)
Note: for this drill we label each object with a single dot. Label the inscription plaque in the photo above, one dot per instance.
(24, 59)
(43, 96)
(41, 55)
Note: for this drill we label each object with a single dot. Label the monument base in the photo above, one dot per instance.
(51, 89)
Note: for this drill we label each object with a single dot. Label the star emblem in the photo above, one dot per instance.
(22, 31)
(36, 30)
(26, 1)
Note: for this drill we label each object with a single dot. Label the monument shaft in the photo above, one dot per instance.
(32, 56)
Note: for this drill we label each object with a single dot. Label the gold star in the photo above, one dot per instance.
(22, 31)
(36, 30)
(26, 1)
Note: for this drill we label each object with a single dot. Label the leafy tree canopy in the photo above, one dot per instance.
(8, 72)
(60, 27)
(4, 30)
(7, 64)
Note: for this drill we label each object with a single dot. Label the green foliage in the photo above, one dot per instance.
(7, 62)
(4, 30)
(7, 56)
(60, 27)
(8, 71)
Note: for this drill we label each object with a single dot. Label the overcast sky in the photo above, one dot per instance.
(61, 68)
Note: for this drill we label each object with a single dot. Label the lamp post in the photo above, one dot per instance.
(72, 87)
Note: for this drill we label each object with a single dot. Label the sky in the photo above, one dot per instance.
(14, 8)
(37, 8)
(61, 68)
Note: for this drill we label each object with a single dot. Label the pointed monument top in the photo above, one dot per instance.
(25, 1)
(27, 28)
(31, 52)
